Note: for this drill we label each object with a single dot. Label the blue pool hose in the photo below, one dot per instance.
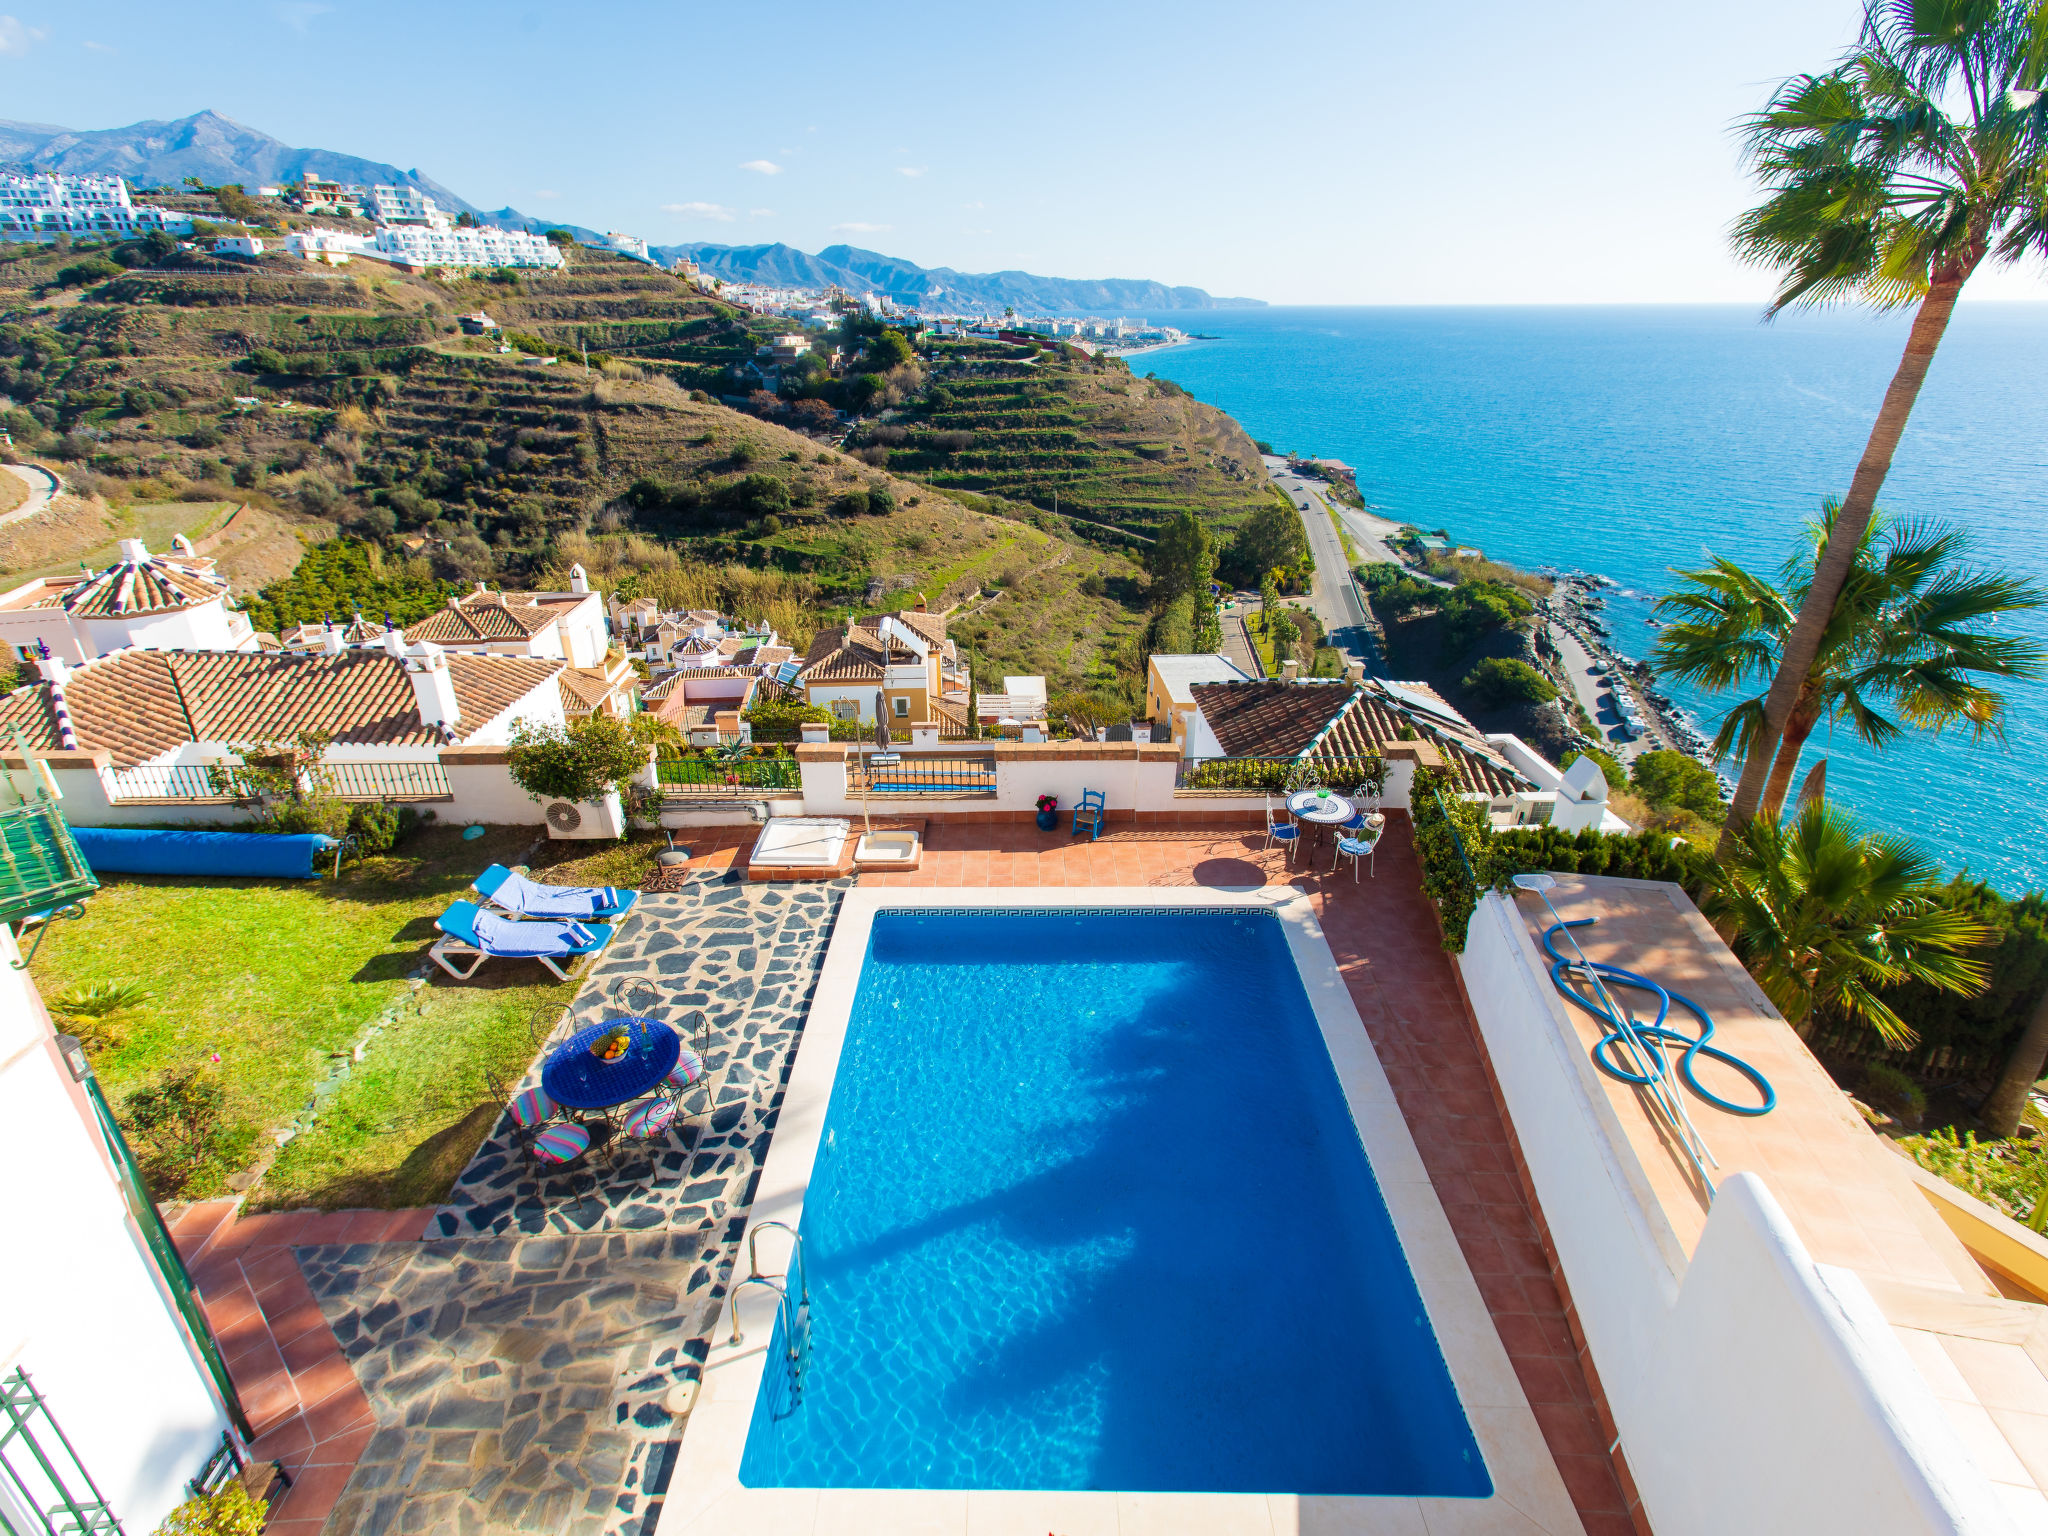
(1695, 1046)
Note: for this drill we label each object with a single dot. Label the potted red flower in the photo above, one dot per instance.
(1048, 812)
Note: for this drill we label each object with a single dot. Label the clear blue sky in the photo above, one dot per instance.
(1343, 153)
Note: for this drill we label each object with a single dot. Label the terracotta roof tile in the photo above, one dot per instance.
(478, 616)
(160, 584)
(137, 704)
(1271, 718)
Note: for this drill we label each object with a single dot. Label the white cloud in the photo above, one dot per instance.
(94, 47)
(760, 213)
(912, 170)
(17, 38)
(858, 228)
(700, 211)
(547, 194)
(297, 14)
(761, 167)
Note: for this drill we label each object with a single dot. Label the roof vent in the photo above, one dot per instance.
(134, 551)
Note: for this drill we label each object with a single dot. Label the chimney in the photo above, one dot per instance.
(331, 641)
(1355, 673)
(433, 687)
(180, 544)
(918, 606)
(727, 721)
(1290, 671)
(134, 551)
(394, 644)
(55, 669)
(578, 581)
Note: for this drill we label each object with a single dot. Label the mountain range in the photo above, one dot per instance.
(939, 288)
(216, 149)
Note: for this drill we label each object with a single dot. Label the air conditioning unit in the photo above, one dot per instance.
(583, 818)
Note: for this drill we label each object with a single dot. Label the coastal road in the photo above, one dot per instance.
(42, 485)
(1595, 695)
(1333, 596)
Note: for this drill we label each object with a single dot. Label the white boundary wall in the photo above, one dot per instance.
(81, 1306)
(1753, 1391)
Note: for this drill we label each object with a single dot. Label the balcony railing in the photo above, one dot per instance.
(708, 777)
(225, 783)
(1276, 775)
(949, 776)
(40, 866)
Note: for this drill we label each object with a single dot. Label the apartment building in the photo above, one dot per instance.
(42, 206)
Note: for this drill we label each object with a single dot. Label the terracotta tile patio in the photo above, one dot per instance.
(300, 1394)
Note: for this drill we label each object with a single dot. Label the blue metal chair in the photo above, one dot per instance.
(1359, 848)
(1284, 833)
(1090, 808)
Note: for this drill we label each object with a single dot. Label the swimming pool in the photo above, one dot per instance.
(1060, 1148)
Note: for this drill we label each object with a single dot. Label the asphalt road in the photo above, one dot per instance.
(1333, 596)
(42, 486)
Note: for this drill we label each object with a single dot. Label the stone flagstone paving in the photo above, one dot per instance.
(517, 1359)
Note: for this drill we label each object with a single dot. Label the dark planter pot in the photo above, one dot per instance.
(1048, 821)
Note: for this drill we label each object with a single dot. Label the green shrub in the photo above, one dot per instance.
(1502, 680)
(83, 274)
(584, 763)
(381, 826)
(178, 1120)
(231, 1511)
(1887, 1088)
(322, 813)
(1674, 781)
(262, 360)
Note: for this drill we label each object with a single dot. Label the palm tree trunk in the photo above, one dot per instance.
(1797, 729)
(2001, 1112)
(1831, 571)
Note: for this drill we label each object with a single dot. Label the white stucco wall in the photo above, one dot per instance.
(1751, 1391)
(81, 1307)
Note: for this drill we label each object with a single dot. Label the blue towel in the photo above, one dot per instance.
(504, 936)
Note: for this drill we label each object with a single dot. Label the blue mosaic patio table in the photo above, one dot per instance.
(575, 1079)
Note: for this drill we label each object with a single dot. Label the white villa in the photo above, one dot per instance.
(160, 602)
(43, 206)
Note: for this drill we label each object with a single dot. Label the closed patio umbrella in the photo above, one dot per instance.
(881, 745)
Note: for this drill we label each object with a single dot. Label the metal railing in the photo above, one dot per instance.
(922, 776)
(228, 782)
(710, 776)
(41, 868)
(381, 781)
(1279, 775)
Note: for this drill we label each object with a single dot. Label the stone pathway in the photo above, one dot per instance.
(518, 1358)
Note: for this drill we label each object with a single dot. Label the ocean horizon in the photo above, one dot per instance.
(1627, 440)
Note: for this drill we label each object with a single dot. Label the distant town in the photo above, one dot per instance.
(408, 230)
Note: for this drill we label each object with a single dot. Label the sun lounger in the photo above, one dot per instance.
(515, 893)
(470, 933)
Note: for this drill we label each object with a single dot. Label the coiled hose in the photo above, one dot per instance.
(1656, 1034)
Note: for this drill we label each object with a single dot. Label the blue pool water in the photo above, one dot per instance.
(1089, 1212)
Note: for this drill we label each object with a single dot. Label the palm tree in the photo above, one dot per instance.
(1891, 180)
(1824, 917)
(1906, 635)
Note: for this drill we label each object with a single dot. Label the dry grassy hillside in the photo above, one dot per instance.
(352, 397)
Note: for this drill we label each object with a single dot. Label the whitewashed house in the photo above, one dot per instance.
(164, 602)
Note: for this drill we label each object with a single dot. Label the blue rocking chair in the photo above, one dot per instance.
(1090, 809)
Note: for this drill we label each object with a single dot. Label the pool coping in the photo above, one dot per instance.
(705, 1494)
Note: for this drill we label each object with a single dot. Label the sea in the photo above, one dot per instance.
(1630, 441)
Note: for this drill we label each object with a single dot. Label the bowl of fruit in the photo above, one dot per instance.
(612, 1044)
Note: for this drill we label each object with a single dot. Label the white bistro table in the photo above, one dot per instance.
(1324, 808)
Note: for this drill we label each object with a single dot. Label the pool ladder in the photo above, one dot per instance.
(795, 1315)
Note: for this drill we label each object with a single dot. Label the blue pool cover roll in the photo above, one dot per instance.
(133, 851)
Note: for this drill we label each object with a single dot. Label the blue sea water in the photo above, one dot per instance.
(1627, 441)
(1089, 1212)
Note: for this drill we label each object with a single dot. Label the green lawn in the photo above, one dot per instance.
(277, 977)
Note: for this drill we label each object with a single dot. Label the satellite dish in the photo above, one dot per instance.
(564, 817)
